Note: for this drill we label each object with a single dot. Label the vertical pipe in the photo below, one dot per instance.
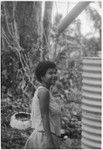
(72, 15)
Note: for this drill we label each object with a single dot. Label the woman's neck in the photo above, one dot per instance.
(45, 85)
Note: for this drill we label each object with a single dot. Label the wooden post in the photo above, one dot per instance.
(72, 15)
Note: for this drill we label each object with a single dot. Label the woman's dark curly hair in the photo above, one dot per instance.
(42, 68)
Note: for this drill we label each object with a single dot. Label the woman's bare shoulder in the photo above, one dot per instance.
(42, 92)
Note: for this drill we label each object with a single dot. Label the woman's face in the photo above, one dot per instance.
(50, 76)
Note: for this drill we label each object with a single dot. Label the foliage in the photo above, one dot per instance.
(91, 47)
(68, 94)
(21, 57)
(95, 16)
(68, 89)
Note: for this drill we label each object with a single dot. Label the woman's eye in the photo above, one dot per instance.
(51, 73)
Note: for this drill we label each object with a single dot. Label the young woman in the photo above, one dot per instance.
(45, 113)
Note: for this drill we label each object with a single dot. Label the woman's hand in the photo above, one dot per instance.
(48, 143)
(51, 145)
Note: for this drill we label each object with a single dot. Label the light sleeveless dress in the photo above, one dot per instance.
(37, 139)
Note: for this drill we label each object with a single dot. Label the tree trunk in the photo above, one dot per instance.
(46, 28)
(28, 18)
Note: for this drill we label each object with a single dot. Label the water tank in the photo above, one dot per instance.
(91, 103)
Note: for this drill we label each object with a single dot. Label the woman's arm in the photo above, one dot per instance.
(44, 98)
